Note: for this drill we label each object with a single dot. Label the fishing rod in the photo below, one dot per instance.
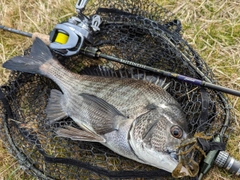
(43, 37)
(97, 53)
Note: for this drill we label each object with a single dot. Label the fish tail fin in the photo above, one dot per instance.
(40, 54)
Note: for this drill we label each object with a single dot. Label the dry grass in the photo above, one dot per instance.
(212, 27)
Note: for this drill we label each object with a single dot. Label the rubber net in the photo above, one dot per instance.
(138, 31)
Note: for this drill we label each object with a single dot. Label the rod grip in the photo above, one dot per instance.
(43, 37)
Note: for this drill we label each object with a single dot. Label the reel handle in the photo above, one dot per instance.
(80, 5)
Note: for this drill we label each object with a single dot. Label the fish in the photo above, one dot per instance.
(134, 118)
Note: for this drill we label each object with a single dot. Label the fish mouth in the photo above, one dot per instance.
(173, 155)
(182, 172)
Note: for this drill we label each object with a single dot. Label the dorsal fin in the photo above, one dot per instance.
(126, 72)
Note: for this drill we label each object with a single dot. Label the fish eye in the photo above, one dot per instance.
(176, 131)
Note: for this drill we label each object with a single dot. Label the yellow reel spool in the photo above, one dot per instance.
(61, 38)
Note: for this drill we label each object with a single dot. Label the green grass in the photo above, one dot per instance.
(212, 27)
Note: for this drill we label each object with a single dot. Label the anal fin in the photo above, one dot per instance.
(54, 107)
(80, 135)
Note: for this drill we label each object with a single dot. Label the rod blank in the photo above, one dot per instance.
(174, 75)
(16, 31)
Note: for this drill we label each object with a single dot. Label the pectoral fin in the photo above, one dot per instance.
(80, 135)
(54, 107)
(104, 117)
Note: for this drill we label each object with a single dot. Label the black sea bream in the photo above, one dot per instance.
(134, 118)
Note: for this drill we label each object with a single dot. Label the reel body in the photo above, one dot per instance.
(67, 38)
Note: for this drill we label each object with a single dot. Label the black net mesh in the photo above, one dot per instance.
(141, 32)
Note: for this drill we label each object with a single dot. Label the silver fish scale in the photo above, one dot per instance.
(127, 95)
(105, 87)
